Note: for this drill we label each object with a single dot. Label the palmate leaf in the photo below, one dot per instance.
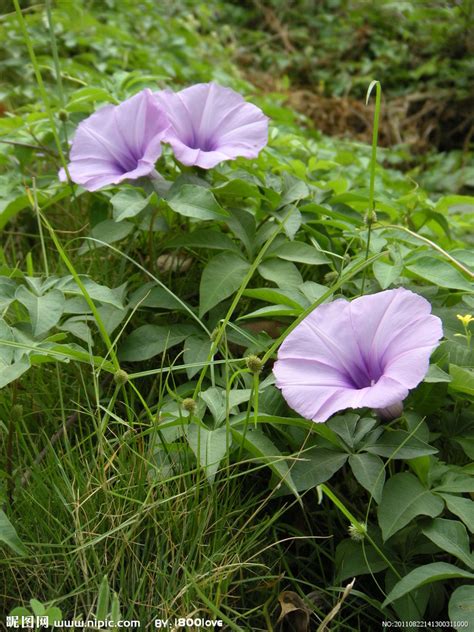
(209, 447)
(423, 575)
(315, 466)
(221, 277)
(197, 202)
(44, 311)
(300, 252)
(451, 536)
(150, 340)
(128, 203)
(262, 448)
(440, 273)
(404, 498)
(355, 558)
(462, 508)
(369, 472)
(398, 444)
(12, 372)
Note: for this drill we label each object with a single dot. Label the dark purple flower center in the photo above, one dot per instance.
(366, 372)
(204, 144)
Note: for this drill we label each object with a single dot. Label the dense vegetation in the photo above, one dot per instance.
(150, 465)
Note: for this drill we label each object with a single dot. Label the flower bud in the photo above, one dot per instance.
(189, 405)
(357, 532)
(329, 277)
(254, 364)
(394, 411)
(370, 218)
(63, 115)
(121, 377)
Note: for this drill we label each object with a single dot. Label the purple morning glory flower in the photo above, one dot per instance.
(118, 142)
(367, 352)
(210, 124)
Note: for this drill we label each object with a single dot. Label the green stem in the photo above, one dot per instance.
(222, 327)
(358, 525)
(373, 164)
(42, 89)
(85, 293)
(54, 48)
(40, 228)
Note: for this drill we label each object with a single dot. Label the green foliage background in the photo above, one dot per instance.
(122, 498)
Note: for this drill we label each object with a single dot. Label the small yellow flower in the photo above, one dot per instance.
(466, 319)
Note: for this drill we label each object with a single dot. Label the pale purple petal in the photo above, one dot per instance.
(210, 124)
(364, 353)
(117, 143)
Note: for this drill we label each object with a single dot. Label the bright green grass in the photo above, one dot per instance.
(99, 504)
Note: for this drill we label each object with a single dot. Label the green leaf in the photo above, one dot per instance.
(385, 273)
(288, 297)
(78, 327)
(115, 611)
(151, 295)
(243, 225)
(128, 203)
(462, 380)
(283, 273)
(467, 444)
(107, 231)
(262, 448)
(196, 350)
(101, 293)
(197, 202)
(440, 273)
(20, 611)
(436, 375)
(38, 609)
(203, 238)
(45, 311)
(221, 277)
(423, 575)
(7, 351)
(355, 558)
(54, 614)
(103, 598)
(389, 443)
(461, 607)
(315, 466)
(292, 217)
(456, 482)
(215, 399)
(462, 508)
(150, 340)
(297, 422)
(273, 310)
(404, 498)
(9, 536)
(111, 317)
(237, 188)
(7, 292)
(370, 473)
(300, 252)
(82, 99)
(209, 446)
(345, 427)
(294, 190)
(451, 536)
